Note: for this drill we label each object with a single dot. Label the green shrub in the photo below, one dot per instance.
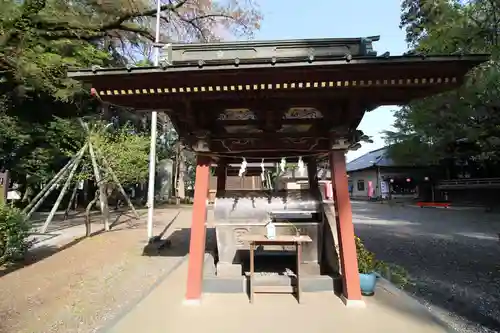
(14, 231)
(397, 275)
(368, 264)
(366, 259)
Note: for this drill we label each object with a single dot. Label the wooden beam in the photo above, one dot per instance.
(270, 137)
(270, 116)
(276, 144)
(370, 95)
(189, 114)
(263, 105)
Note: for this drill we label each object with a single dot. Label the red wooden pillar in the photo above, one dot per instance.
(345, 229)
(198, 230)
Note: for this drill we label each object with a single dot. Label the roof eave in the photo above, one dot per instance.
(278, 42)
(216, 65)
(362, 169)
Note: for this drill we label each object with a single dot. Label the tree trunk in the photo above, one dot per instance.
(87, 214)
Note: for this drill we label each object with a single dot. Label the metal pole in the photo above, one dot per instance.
(152, 150)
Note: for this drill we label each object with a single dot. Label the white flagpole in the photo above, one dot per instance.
(152, 150)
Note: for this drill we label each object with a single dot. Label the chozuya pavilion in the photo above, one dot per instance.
(289, 100)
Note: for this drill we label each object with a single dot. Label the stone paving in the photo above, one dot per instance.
(163, 311)
(452, 257)
(389, 311)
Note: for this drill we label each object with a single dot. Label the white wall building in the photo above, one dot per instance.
(376, 174)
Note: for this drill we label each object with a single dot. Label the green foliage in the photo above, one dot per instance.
(421, 19)
(366, 259)
(35, 149)
(14, 231)
(367, 263)
(397, 275)
(126, 153)
(40, 39)
(121, 149)
(462, 125)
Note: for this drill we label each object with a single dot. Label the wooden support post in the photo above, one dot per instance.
(198, 230)
(4, 186)
(45, 192)
(221, 173)
(62, 193)
(345, 229)
(103, 196)
(71, 199)
(312, 171)
(117, 183)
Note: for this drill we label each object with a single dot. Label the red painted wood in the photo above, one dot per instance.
(198, 230)
(345, 227)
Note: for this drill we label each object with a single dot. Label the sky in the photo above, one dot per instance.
(285, 19)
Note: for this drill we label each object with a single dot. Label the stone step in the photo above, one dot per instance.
(273, 279)
(317, 283)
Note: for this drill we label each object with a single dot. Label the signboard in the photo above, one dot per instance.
(384, 189)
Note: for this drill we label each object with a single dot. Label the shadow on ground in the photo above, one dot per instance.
(41, 252)
(36, 255)
(177, 244)
(452, 256)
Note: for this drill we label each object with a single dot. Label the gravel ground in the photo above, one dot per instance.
(453, 258)
(82, 287)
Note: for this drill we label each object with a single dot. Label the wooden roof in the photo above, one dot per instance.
(277, 97)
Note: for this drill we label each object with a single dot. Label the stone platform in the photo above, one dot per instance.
(310, 281)
(387, 311)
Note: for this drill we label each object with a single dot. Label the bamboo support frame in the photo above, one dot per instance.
(40, 198)
(63, 190)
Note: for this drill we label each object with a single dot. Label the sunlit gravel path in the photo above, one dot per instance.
(453, 257)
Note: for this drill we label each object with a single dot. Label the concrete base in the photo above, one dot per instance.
(191, 302)
(310, 268)
(235, 285)
(232, 283)
(229, 270)
(224, 285)
(349, 303)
